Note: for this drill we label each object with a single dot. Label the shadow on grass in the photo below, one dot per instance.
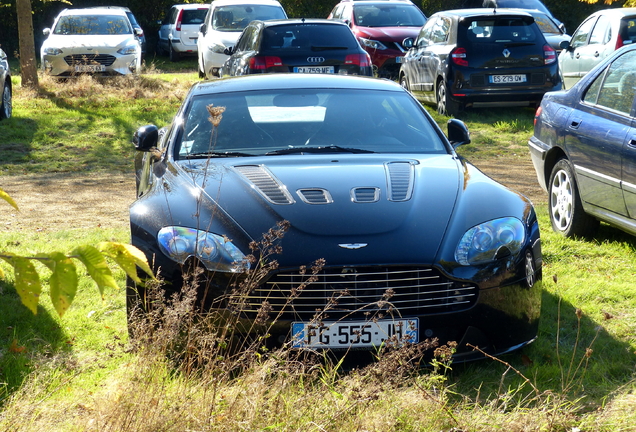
(16, 136)
(26, 340)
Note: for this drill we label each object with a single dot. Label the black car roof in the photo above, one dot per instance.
(293, 81)
(299, 21)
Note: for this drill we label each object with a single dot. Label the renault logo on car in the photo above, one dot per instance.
(315, 59)
(506, 53)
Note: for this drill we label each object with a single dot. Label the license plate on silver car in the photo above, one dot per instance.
(353, 334)
(90, 68)
(314, 69)
(507, 79)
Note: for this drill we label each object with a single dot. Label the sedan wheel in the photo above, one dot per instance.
(404, 82)
(566, 211)
(6, 108)
(174, 56)
(445, 106)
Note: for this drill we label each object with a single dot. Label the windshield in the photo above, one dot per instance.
(280, 121)
(237, 17)
(92, 25)
(388, 16)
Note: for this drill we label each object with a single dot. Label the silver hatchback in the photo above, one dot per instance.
(99, 41)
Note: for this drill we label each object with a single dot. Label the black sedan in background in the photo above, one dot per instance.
(480, 58)
(297, 46)
(584, 148)
(416, 242)
(6, 107)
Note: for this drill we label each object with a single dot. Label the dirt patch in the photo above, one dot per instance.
(62, 201)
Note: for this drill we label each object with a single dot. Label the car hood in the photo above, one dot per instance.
(74, 44)
(396, 34)
(339, 203)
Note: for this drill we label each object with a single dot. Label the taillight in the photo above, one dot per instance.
(458, 56)
(619, 42)
(549, 54)
(179, 18)
(265, 62)
(362, 60)
(537, 114)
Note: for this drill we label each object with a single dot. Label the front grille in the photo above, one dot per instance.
(361, 293)
(89, 59)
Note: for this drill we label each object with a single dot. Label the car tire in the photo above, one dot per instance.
(404, 82)
(174, 56)
(445, 106)
(564, 203)
(201, 70)
(6, 105)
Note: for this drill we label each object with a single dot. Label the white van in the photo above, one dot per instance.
(223, 25)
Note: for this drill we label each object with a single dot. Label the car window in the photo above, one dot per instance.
(615, 89)
(315, 36)
(440, 30)
(628, 30)
(601, 32)
(546, 25)
(424, 38)
(247, 39)
(237, 17)
(193, 16)
(92, 25)
(500, 30)
(579, 38)
(258, 122)
(388, 15)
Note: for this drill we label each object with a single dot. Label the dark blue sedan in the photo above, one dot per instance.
(406, 240)
(584, 148)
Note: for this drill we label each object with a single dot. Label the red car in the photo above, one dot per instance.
(381, 27)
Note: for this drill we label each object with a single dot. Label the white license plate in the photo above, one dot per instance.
(90, 68)
(354, 334)
(399, 59)
(314, 69)
(507, 79)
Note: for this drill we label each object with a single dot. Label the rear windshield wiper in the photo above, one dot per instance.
(326, 149)
(216, 154)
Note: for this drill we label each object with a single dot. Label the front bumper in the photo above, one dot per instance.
(100, 64)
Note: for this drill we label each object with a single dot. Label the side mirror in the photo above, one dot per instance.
(562, 28)
(203, 29)
(565, 45)
(146, 138)
(228, 51)
(46, 31)
(408, 43)
(458, 133)
(139, 32)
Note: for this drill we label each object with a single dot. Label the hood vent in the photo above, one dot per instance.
(365, 194)
(265, 182)
(315, 196)
(400, 178)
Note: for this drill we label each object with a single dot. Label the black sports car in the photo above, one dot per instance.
(416, 242)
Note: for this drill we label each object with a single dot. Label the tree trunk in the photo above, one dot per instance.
(28, 64)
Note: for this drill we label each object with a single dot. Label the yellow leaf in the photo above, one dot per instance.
(5, 196)
(27, 280)
(96, 266)
(63, 281)
(127, 257)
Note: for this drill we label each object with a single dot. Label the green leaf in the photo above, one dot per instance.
(96, 266)
(27, 280)
(5, 196)
(127, 257)
(63, 280)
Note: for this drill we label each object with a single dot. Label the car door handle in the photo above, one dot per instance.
(632, 142)
(575, 123)
(596, 54)
(578, 56)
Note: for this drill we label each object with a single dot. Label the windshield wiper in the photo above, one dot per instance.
(216, 154)
(326, 149)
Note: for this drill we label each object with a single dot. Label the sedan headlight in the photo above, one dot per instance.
(215, 252)
(372, 44)
(491, 240)
(127, 50)
(52, 51)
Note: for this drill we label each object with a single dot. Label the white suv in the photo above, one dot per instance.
(98, 41)
(224, 23)
(179, 30)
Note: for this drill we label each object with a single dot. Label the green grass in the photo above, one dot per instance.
(80, 373)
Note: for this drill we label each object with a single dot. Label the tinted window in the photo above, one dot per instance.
(92, 25)
(306, 36)
(237, 17)
(262, 121)
(500, 30)
(628, 29)
(615, 89)
(193, 16)
(388, 15)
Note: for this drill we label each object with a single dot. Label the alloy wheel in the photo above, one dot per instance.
(561, 200)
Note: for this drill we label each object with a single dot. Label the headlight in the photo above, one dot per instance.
(217, 48)
(491, 240)
(215, 252)
(130, 49)
(372, 44)
(52, 51)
